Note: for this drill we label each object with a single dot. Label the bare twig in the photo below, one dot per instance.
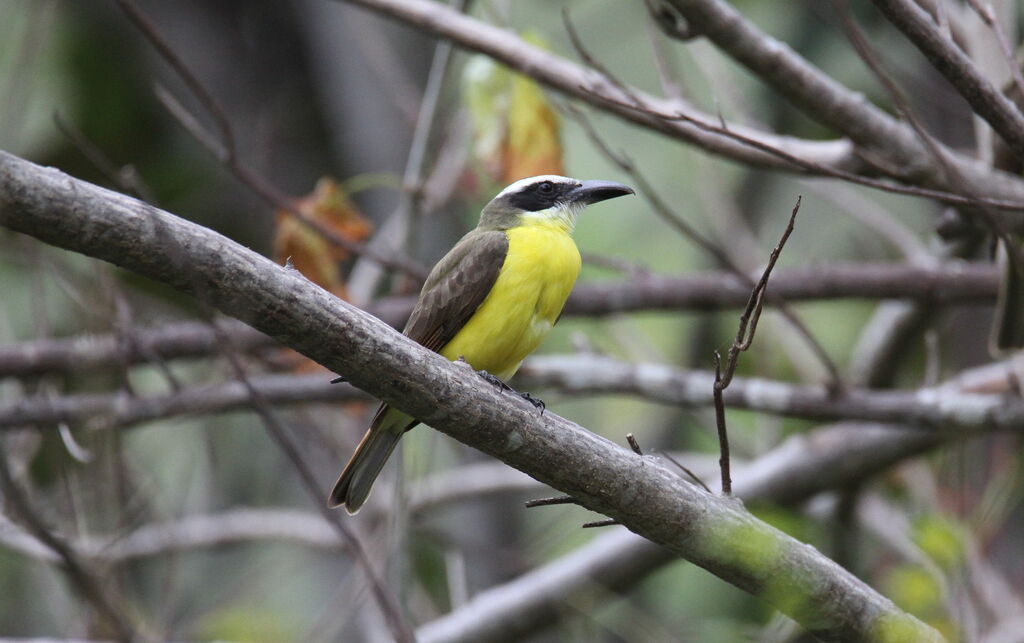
(273, 196)
(714, 249)
(752, 313)
(633, 444)
(779, 65)
(120, 409)
(399, 227)
(723, 434)
(932, 409)
(690, 474)
(126, 178)
(547, 502)
(958, 68)
(744, 338)
(987, 15)
(816, 168)
(994, 220)
(98, 594)
(396, 621)
(150, 31)
(225, 150)
(951, 283)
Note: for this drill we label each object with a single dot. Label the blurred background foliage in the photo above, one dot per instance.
(321, 94)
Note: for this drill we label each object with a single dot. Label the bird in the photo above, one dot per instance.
(490, 301)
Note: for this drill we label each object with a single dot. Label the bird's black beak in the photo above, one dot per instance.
(590, 192)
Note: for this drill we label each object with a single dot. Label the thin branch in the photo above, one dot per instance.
(752, 313)
(394, 236)
(150, 31)
(930, 409)
(744, 338)
(714, 249)
(992, 219)
(690, 474)
(650, 499)
(892, 138)
(975, 400)
(109, 608)
(987, 15)
(119, 409)
(396, 621)
(126, 177)
(272, 195)
(957, 67)
(952, 283)
(224, 149)
(815, 168)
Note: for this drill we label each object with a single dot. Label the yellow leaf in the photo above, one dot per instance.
(533, 144)
(516, 131)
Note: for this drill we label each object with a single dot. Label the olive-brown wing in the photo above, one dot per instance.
(456, 287)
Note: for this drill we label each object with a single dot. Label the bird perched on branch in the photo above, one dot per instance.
(489, 301)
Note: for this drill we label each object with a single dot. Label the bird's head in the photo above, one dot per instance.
(551, 199)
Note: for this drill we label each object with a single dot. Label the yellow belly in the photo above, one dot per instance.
(539, 272)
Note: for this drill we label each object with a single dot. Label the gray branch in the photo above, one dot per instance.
(983, 406)
(715, 533)
(802, 466)
(776, 63)
(952, 62)
(791, 473)
(829, 102)
(951, 283)
(942, 408)
(119, 409)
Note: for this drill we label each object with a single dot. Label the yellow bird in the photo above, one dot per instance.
(490, 300)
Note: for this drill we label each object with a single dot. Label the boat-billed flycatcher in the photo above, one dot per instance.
(490, 300)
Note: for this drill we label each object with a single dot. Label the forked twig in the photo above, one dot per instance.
(668, 214)
(744, 338)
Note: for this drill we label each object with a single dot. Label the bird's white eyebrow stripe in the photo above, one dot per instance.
(521, 183)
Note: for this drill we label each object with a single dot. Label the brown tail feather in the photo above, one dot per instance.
(355, 482)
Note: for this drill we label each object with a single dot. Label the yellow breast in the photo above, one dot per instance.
(539, 272)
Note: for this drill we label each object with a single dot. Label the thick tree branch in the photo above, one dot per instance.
(715, 533)
(791, 473)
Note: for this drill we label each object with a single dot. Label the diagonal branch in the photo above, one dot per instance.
(714, 533)
(957, 67)
(832, 103)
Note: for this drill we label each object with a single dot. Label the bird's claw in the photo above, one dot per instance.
(495, 380)
(535, 401)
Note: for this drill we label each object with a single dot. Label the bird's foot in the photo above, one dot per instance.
(535, 401)
(500, 383)
(495, 380)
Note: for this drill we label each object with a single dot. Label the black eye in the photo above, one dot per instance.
(546, 187)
